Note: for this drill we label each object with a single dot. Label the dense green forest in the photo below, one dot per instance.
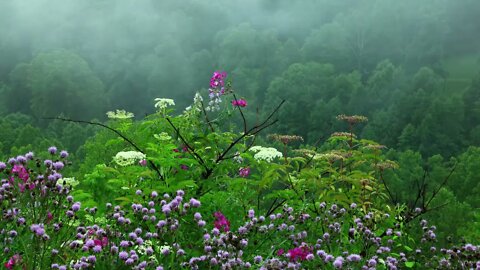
(411, 67)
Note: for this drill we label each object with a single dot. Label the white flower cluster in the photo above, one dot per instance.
(162, 136)
(266, 153)
(214, 103)
(142, 250)
(128, 157)
(162, 103)
(197, 104)
(197, 98)
(69, 181)
(119, 114)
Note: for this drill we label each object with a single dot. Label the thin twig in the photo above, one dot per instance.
(190, 148)
(420, 188)
(435, 192)
(272, 209)
(206, 117)
(386, 188)
(249, 132)
(113, 130)
(300, 168)
(241, 113)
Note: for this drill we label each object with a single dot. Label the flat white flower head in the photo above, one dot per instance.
(128, 157)
(163, 103)
(119, 114)
(162, 136)
(266, 153)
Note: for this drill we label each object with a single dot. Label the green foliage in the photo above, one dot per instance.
(54, 83)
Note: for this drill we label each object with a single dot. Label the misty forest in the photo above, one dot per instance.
(253, 134)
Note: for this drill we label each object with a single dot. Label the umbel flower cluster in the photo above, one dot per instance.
(162, 103)
(265, 153)
(126, 158)
(119, 114)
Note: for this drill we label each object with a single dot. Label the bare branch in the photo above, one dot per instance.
(190, 148)
(152, 165)
(241, 113)
(434, 194)
(206, 117)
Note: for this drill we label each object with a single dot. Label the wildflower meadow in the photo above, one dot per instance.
(208, 188)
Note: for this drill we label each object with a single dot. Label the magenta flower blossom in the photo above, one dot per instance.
(101, 243)
(299, 253)
(244, 172)
(12, 261)
(21, 172)
(239, 103)
(143, 162)
(218, 79)
(221, 222)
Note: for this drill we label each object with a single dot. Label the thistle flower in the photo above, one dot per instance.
(338, 263)
(29, 155)
(21, 159)
(52, 150)
(195, 203)
(63, 154)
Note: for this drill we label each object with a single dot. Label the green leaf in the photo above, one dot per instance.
(123, 199)
(409, 264)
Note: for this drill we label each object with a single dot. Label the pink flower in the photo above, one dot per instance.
(12, 261)
(299, 253)
(221, 222)
(239, 103)
(244, 172)
(49, 216)
(21, 172)
(218, 79)
(143, 162)
(102, 243)
(21, 187)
